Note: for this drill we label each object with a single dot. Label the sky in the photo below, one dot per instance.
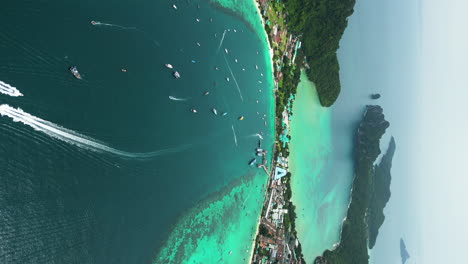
(442, 130)
(415, 53)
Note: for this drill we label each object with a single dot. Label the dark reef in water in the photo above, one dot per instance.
(404, 254)
(375, 96)
(366, 191)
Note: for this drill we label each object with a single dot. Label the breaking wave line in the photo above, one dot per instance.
(177, 99)
(7, 89)
(234, 133)
(221, 43)
(77, 139)
(234, 78)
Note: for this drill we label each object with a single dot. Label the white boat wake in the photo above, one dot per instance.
(234, 133)
(221, 42)
(234, 78)
(97, 23)
(177, 99)
(7, 89)
(257, 135)
(74, 138)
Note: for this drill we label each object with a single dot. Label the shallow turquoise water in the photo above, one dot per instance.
(320, 191)
(75, 201)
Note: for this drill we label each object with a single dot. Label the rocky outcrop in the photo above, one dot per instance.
(354, 233)
(404, 254)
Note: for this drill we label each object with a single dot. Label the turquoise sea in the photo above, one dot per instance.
(109, 169)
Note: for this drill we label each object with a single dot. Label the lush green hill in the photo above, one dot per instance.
(321, 23)
(381, 193)
(354, 234)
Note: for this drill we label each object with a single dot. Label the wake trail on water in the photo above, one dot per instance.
(234, 78)
(234, 133)
(177, 99)
(257, 135)
(7, 89)
(77, 139)
(221, 42)
(97, 23)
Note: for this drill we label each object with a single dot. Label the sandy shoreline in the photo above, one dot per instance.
(270, 52)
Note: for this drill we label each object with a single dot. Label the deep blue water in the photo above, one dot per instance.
(62, 201)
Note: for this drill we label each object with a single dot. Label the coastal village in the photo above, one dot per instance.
(276, 240)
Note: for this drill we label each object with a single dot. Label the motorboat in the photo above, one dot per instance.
(176, 74)
(75, 72)
(214, 111)
(193, 110)
(169, 66)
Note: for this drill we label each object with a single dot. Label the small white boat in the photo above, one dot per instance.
(224, 113)
(256, 67)
(259, 81)
(198, 20)
(243, 69)
(193, 110)
(225, 50)
(214, 111)
(198, 44)
(169, 66)
(235, 30)
(174, 6)
(176, 74)
(75, 72)
(227, 79)
(261, 74)
(235, 60)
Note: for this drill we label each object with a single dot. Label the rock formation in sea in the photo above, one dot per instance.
(404, 254)
(354, 241)
(381, 193)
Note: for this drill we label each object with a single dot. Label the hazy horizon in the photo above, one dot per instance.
(414, 54)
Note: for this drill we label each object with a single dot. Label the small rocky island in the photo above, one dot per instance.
(375, 96)
(404, 254)
(370, 192)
